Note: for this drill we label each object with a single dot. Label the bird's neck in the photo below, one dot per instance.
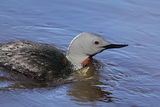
(78, 61)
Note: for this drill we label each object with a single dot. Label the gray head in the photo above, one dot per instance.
(86, 45)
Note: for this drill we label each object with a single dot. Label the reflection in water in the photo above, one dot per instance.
(88, 88)
(89, 92)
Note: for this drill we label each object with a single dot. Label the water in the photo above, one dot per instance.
(128, 77)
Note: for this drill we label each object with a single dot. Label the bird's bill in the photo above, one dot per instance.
(110, 46)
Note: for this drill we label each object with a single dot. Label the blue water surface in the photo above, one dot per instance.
(129, 76)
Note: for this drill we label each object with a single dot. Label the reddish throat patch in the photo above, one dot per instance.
(86, 61)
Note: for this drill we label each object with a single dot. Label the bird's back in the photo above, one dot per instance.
(35, 60)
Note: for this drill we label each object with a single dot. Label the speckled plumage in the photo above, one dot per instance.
(35, 60)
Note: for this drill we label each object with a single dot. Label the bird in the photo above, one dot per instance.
(45, 62)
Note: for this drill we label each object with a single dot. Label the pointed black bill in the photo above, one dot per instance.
(115, 46)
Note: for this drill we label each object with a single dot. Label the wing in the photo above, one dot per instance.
(35, 60)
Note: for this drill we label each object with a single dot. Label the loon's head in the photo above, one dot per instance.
(86, 45)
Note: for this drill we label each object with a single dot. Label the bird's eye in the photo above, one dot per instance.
(96, 42)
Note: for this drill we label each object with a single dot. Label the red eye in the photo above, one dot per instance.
(96, 42)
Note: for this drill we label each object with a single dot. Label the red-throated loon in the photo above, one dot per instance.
(45, 62)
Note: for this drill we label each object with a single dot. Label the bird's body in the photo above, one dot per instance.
(44, 62)
(35, 60)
